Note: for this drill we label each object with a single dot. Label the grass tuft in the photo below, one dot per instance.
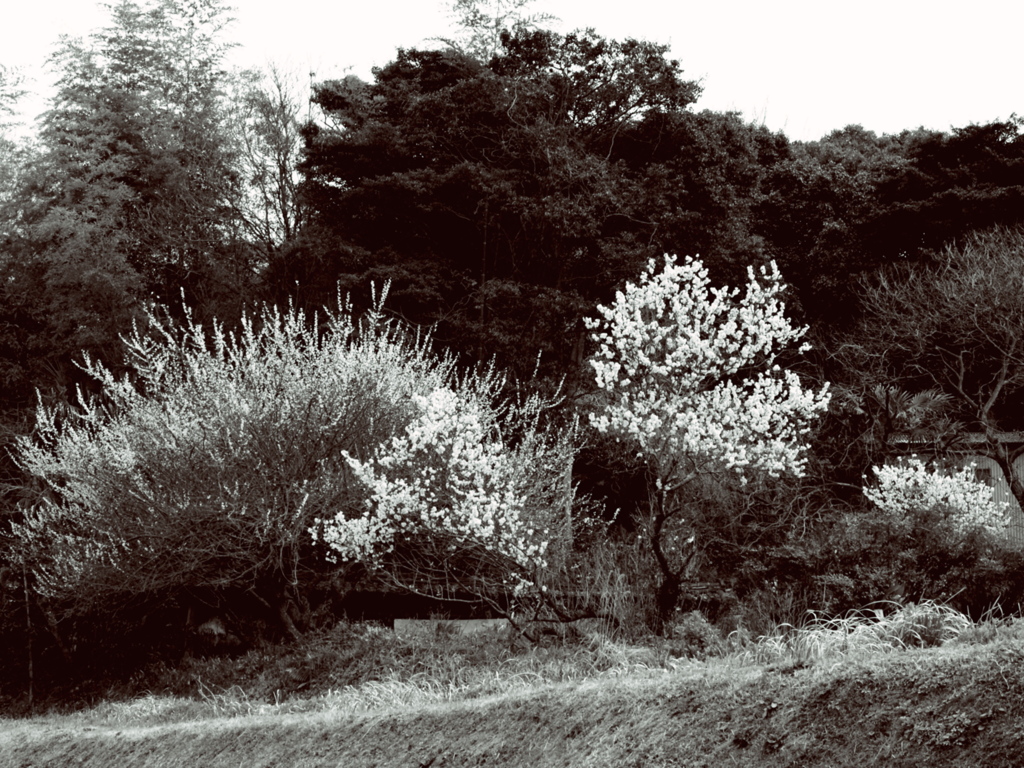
(860, 633)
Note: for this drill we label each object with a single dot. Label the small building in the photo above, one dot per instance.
(986, 469)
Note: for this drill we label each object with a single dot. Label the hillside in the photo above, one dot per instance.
(959, 705)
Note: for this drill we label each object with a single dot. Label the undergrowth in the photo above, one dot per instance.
(355, 667)
(367, 666)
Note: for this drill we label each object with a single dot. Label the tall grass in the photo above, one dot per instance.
(609, 578)
(358, 667)
(860, 633)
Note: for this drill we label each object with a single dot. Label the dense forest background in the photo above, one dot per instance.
(506, 183)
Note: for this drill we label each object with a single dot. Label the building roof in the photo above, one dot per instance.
(968, 438)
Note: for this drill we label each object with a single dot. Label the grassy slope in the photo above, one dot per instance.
(959, 705)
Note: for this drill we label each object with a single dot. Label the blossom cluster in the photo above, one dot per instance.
(689, 370)
(448, 477)
(916, 486)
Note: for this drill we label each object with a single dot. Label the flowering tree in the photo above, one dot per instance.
(689, 378)
(207, 469)
(913, 487)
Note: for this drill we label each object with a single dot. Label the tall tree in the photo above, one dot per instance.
(135, 138)
(839, 208)
(131, 194)
(703, 178)
(813, 216)
(267, 120)
(480, 24)
(13, 153)
(491, 194)
(952, 184)
(15, 387)
(956, 325)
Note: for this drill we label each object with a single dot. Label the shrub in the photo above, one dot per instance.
(913, 487)
(693, 636)
(204, 466)
(208, 468)
(865, 554)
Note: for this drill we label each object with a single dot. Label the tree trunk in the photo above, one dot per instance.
(280, 605)
(670, 587)
(284, 612)
(28, 640)
(667, 598)
(1005, 458)
(1013, 478)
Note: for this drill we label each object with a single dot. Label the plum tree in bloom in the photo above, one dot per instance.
(452, 506)
(201, 472)
(204, 471)
(689, 377)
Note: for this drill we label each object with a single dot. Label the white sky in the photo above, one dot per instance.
(803, 66)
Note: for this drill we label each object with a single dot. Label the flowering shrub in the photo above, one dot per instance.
(450, 490)
(205, 467)
(914, 486)
(212, 464)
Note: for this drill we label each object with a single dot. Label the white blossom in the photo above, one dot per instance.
(447, 475)
(673, 360)
(915, 486)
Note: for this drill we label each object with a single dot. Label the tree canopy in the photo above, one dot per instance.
(131, 194)
(493, 195)
(840, 208)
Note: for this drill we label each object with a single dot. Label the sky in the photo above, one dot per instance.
(805, 67)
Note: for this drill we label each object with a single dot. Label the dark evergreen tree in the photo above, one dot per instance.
(505, 199)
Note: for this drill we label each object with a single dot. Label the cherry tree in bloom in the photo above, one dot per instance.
(689, 377)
